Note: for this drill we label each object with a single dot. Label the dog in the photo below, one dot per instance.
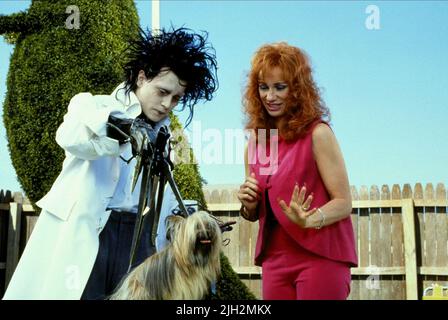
(185, 269)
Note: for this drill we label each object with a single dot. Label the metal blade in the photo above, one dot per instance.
(139, 220)
(138, 165)
(169, 177)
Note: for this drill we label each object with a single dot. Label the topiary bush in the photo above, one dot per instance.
(49, 65)
(229, 286)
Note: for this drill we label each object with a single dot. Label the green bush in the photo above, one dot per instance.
(229, 286)
(50, 64)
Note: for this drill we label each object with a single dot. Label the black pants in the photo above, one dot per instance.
(112, 261)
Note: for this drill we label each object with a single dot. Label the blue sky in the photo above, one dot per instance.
(386, 87)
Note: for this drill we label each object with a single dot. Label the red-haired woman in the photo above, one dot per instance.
(296, 183)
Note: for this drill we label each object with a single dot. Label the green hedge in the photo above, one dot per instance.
(51, 64)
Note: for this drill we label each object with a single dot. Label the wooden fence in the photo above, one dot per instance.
(17, 219)
(401, 237)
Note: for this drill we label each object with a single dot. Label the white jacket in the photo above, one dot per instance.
(62, 249)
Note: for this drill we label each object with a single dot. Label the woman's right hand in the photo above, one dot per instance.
(249, 193)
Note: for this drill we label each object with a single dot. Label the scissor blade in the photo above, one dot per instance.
(137, 171)
(138, 165)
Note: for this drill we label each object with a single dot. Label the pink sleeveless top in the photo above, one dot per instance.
(296, 164)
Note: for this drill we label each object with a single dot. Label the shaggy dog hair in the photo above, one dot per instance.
(184, 269)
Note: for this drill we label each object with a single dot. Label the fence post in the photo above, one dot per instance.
(409, 250)
(12, 253)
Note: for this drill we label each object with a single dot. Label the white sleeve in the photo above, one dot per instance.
(83, 132)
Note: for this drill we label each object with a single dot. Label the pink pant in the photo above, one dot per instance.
(293, 273)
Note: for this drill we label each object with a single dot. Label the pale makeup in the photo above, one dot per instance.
(158, 96)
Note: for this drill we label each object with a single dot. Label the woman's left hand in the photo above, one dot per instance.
(299, 209)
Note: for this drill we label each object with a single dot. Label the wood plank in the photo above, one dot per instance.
(364, 245)
(420, 229)
(224, 206)
(244, 242)
(354, 218)
(375, 244)
(354, 285)
(215, 197)
(434, 271)
(234, 196)
(253, 240)
(234, 236)
(245, 270)
(387, 289)
(28, 208)
(355, 281)
(409, 249)
(227, 242)
(430, 203)
(441, 192)
(18, 197)
(206, 196)
(442, 229)
(397, 240)
(430, 236)
(225, 196)
(354, 193)
(256, 286)
(429, 192)
(4, 217)
(31, 222)
(377, 204)
(7, 196)
(442, 237)
(365, 271)
(246, 281)
(12, 253)
(418, 192)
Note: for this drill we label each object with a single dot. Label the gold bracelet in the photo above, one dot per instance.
(322, 219)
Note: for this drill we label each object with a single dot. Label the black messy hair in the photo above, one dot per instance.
(182, 51)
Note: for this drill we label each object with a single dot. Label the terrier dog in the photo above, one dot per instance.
(185, 269)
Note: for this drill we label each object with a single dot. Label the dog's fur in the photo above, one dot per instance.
(185, 269)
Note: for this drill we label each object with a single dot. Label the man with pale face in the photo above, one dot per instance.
(160, 95)
(81, 243)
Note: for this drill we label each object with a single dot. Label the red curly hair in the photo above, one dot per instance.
(304, 104)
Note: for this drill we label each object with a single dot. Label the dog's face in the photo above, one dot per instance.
(182, 270)
(198, 235)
